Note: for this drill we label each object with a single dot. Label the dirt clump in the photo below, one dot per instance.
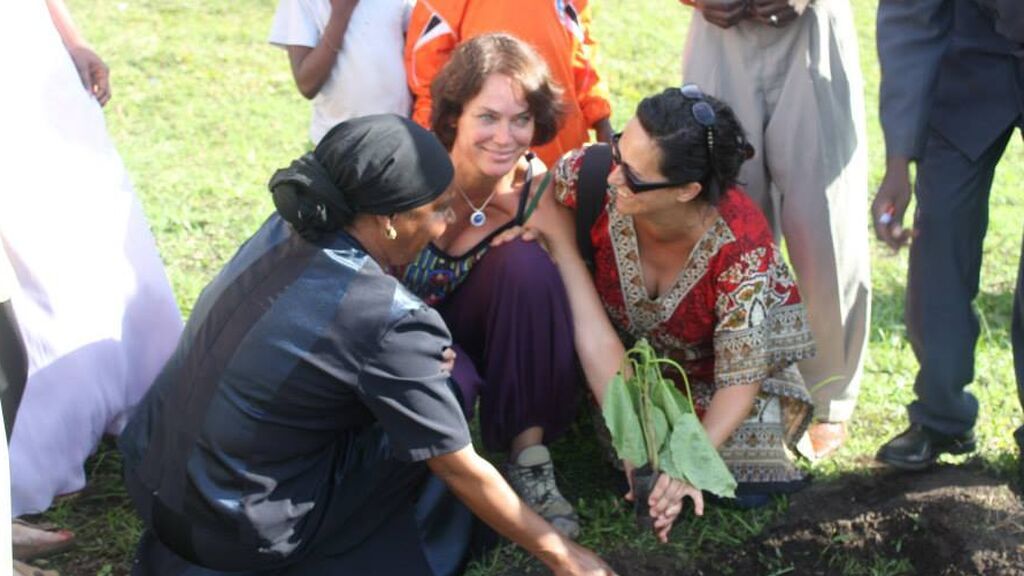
(950, 520)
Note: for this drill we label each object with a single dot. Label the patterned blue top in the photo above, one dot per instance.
(435, 274)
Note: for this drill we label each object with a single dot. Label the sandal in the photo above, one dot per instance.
(31, 541)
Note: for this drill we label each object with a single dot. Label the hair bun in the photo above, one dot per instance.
(299, 192)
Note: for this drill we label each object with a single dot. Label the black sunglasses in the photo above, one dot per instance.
(702, 112)
(634, 184)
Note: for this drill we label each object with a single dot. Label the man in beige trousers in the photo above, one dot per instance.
(791, 72)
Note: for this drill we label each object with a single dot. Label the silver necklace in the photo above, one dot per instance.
(477, 218)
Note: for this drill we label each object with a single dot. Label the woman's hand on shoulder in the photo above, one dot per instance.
(549, 223)
(515, 233)
(552, 224)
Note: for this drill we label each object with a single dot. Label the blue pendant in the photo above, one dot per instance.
(478, 218)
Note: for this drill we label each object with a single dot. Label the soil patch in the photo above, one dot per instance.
(947, 521)
(951, 520)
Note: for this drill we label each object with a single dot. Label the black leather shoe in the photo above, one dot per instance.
(918, 447)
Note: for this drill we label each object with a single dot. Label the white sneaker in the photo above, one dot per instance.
(532, 476)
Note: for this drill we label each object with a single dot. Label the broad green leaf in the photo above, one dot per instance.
(661, 428)
(670, 400)
(695, 460)
(684, 399)
(621, 416)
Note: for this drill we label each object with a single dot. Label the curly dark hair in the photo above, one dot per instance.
(473, 62)
(686, 155)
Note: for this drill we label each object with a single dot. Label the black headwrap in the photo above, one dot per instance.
(381, 164)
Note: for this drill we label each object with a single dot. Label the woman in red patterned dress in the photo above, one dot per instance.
(684, 258)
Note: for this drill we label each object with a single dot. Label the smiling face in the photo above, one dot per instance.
(495, 128)
(640, 156)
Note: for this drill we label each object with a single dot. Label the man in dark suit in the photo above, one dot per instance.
(952, 95)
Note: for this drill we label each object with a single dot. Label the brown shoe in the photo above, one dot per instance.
(826, 438)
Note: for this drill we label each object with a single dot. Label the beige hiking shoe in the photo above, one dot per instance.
(532, 476)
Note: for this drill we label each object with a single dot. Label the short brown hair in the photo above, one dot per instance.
(473, 62)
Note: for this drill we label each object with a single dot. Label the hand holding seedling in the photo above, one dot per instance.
(653, 425)
(666, 502)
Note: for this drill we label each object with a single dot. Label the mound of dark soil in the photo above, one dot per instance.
(947, 521)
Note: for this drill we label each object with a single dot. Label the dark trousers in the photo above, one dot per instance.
(945, 265)
(384, 517)
(512, 327)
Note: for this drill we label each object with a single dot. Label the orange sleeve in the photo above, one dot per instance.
(428, 46)
(590, 89)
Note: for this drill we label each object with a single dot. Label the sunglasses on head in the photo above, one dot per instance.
(634, 184)
(702, 112)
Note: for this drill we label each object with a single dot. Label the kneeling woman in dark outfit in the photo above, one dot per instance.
(306, 420)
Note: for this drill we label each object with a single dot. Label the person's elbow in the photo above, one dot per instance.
(309, 90)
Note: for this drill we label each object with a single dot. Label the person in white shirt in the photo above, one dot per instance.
(346, 56)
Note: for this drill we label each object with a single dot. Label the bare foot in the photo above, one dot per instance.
(22, 569)
(34, 541)
(826, 438)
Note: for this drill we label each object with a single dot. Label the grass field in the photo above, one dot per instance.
(204, 110)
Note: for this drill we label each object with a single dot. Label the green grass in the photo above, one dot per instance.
(204, 110)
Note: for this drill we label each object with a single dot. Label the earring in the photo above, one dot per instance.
(390, 233)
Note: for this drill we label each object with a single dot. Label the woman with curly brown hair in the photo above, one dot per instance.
(505, 305)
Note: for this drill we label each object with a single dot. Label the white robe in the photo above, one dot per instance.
(92, 300)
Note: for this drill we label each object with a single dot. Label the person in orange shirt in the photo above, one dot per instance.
(557, 29)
